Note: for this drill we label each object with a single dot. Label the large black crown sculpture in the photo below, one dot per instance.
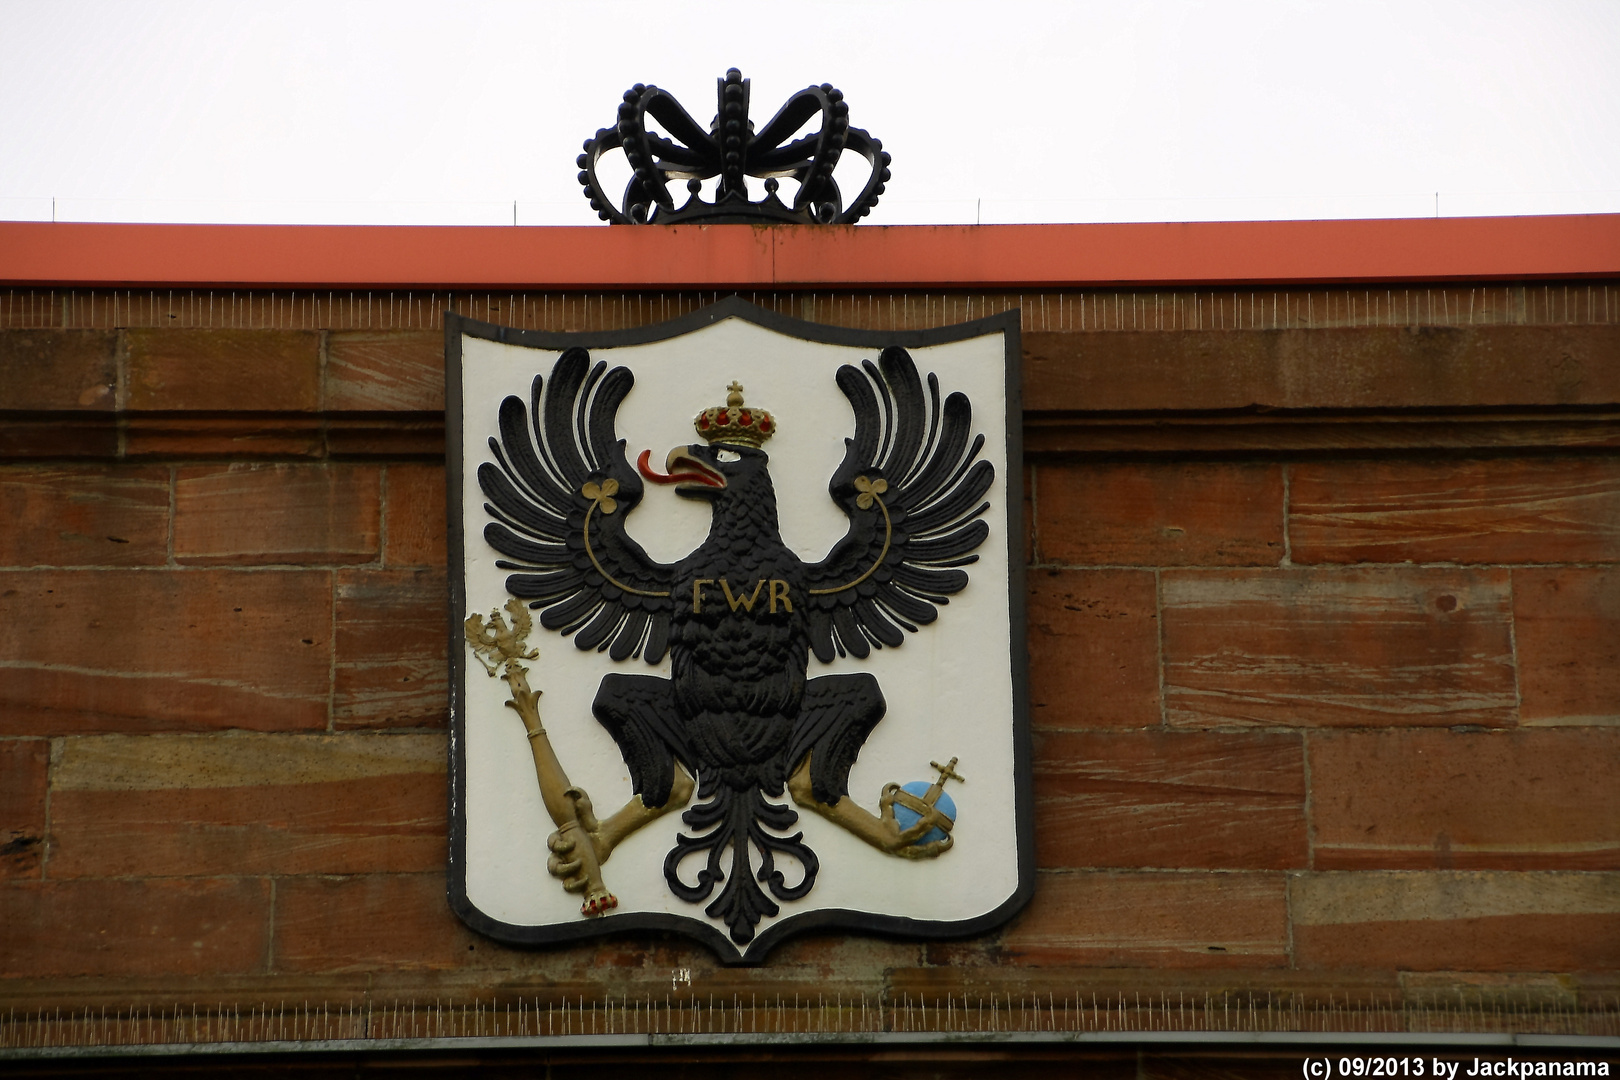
(733, 151)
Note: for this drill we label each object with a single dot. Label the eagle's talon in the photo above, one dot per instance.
(927, 820)
(904, 841)
(931, 850)
(881, 830)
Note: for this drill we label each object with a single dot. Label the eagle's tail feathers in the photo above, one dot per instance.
(737, 821)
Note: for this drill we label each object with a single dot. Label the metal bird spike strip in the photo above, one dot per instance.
(732, 150)
(662, 1017)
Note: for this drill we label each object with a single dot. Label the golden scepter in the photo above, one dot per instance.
(496, 644)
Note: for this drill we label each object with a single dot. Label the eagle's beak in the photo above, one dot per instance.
(683, 470)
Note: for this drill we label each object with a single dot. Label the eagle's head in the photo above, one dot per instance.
(708, 471)
(729, 468)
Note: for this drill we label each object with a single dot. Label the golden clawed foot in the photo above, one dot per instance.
(881, 830)
(903, 842)
(931, 850)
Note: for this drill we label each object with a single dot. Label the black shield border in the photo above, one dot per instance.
(1007, 323)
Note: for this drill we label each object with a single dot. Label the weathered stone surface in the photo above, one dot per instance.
(57, 437)
(375, 922)
(1466, 800)
(1440, 841)
(1093, 649)
(167, 436)
(1499, 510)
(391, 670)
(58, 370)
(1457, 920)
(250, 515)
(164, 650)
(1566, 625)
(133, 928)
(1223, 801)
(1350, 648)
(1149, 514)
(224, 370)
(84, 515)
(384, 370)
(23, 779)
(1108, 919)
(1344, 368)
(183, 806)
(416, 516)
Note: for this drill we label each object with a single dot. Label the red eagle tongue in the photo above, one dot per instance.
(646, 470)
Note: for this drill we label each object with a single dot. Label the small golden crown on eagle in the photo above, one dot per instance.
(734, 422)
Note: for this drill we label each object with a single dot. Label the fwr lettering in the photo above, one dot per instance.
(777, 593)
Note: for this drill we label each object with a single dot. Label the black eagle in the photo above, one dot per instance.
(742, 613)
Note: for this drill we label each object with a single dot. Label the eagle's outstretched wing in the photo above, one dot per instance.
(913, 489)
(559, 490)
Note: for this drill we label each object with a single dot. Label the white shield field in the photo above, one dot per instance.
(953, 689)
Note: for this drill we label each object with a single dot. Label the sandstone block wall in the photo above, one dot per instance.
(1324, 629)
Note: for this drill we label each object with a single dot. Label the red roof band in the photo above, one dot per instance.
(810, 256)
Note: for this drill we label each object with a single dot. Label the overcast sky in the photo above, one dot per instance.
(997, 110)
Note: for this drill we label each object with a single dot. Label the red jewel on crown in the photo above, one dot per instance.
(732, 423)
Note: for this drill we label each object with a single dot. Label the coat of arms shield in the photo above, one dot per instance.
(738, 646)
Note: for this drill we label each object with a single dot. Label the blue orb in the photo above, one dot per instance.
(906, 817)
